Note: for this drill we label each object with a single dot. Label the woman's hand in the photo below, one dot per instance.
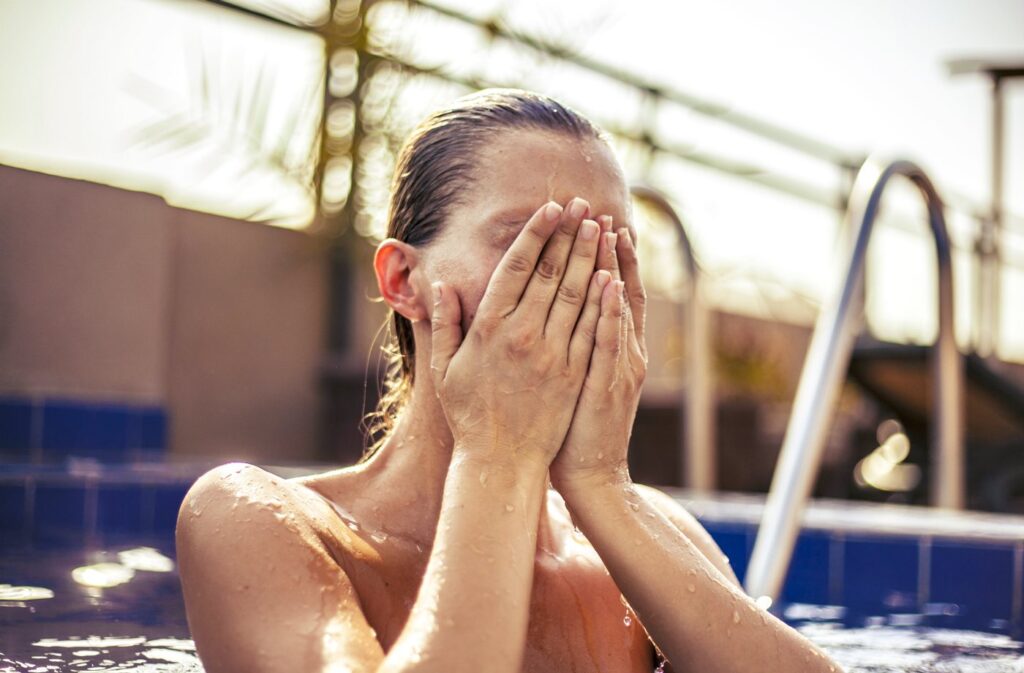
(508, 389)
(598, 439)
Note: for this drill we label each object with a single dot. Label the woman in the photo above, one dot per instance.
(512, 273)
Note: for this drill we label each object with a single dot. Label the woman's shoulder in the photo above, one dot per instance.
(688, 524)
(674, 511)
(262, 510)
(229, 486)
(251, 557)
(244, 499)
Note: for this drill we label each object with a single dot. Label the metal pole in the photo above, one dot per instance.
(994, 230)
(696, 405)
(824, 372)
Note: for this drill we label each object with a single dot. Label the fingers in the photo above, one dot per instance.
(582, 343)
(535, 304)
(606, 258)
(636, 296)
(516, 267)
(608, 337)
(446, 330)
(572, 292)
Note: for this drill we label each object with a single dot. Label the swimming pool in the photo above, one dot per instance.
(89, 584)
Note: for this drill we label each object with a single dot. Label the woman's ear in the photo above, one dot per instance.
(394, 263)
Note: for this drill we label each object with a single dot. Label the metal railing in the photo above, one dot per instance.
(824, 371)
(696, 410)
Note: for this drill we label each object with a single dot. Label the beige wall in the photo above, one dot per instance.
(113, 295)
(84, 281)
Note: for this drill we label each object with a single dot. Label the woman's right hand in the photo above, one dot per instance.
(509, 388)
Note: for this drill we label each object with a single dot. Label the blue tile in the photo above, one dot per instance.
(880, 574)
(977, 578)
(735, 542)
(166, 503)
(12, 508)
(59, 513)
(119, 510)
(154, 430)
(807, 580)
(15, 427)
(98, 430)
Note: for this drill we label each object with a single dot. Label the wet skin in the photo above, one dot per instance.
(377, 521)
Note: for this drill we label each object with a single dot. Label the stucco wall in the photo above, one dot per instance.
(114, 296)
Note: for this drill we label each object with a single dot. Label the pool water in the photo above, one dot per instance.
(120, 609)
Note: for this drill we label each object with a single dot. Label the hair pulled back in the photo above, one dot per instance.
(435, 165)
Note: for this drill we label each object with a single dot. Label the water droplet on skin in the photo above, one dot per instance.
(418, 547)
(735, 617)
(510, 508)
(691, 588)
(600, 455)
(635, 506)
(627, 620)
(483, 478)
(581, 459)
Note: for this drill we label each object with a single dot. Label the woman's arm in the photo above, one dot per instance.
(507, 391)
(698, 616)
(693, 609)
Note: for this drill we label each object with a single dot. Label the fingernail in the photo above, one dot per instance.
(578, 208)
(610, 238)
(606, 222)
(436, 286)
(624, 234)
(603, 277)
(588, 230)
(552, 211)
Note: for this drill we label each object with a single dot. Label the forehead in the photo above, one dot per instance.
(519, 171)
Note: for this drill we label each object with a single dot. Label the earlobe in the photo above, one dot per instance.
(395, 264)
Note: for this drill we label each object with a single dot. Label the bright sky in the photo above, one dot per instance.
(864, 76)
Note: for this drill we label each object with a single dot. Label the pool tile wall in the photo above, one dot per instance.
(974, 578)
(42, 430)
(975, 584)
(50, 507)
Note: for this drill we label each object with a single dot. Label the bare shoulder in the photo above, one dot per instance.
(252, 560)
(672, 509)
(689, 526)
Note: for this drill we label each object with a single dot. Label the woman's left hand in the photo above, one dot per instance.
(596, 445)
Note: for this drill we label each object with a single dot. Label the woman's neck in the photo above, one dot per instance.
(406, 475)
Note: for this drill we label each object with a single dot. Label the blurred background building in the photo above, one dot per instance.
(191, 192)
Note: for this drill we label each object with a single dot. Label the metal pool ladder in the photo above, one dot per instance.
(824, 371)
(696, 409)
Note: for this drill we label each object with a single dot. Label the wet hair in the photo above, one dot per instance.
(435, 166)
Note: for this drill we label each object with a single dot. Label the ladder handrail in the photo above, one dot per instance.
(696, 407)
(824, 371)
